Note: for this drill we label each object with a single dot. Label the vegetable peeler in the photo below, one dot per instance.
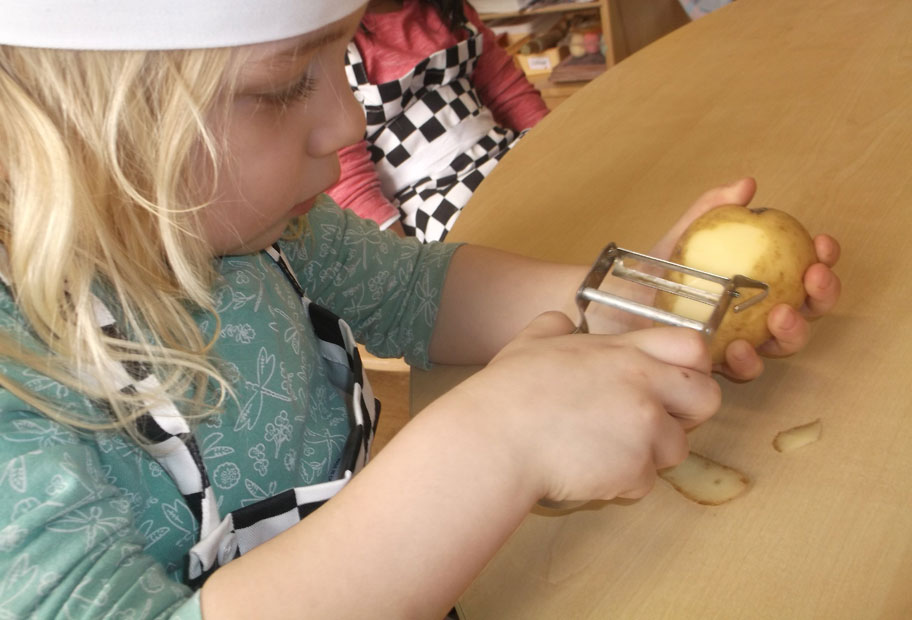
(625, 264)
(628, 265)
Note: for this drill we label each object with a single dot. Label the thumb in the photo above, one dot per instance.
(739, 192)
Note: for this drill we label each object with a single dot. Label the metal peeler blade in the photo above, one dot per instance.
(619, 262)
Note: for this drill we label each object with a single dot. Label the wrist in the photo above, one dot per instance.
(506, 438)
(478, 423)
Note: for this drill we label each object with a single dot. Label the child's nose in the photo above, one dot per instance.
(356, 124)
(342, 122)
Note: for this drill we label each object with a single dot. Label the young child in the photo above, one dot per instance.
(444, 102)
(179, 397)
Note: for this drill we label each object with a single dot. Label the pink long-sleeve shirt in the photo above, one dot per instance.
(391, 44)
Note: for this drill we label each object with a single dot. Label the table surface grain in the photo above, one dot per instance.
(813, 99)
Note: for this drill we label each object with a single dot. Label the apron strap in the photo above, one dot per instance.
(171, 443)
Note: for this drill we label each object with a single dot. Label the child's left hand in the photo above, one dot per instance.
(789, 327)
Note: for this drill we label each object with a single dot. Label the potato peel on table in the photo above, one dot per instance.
(705, 481)
(798, 437)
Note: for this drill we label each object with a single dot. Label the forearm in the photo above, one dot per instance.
(404, 539)
(489, 296)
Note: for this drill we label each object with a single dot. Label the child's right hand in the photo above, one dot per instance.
(594, 416)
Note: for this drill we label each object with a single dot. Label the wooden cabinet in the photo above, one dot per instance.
(627, 25)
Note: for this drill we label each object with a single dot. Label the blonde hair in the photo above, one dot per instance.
(96, 191)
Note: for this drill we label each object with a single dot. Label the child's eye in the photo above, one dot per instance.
(299, 91)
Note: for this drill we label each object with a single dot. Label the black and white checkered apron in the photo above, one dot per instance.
(171, 443)
(430, 138)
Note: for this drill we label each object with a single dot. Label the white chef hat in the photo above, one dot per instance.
(162, 24)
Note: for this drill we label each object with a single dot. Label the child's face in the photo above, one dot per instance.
(292, 111)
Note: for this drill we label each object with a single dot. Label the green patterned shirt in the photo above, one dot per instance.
(91, 526)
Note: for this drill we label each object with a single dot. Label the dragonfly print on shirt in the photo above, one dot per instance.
(261, 389)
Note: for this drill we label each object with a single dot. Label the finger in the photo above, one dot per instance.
(740, 192)
(690, 397)
(742, 363)
(828, 249)
(688, 394)
(639, 479)
(670, 449)
(790, 331)
(678, 346)
(639, 492)
(823, 289)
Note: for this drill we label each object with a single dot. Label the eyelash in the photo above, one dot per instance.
(299, 91)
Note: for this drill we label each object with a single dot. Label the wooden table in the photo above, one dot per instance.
(814, 99)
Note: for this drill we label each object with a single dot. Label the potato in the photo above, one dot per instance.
(763, 244)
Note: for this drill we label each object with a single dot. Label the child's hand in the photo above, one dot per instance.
(594, 416)
(790, 328)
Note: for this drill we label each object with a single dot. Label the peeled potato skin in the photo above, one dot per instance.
(780, 261)
(798, 436)
(705, 481)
